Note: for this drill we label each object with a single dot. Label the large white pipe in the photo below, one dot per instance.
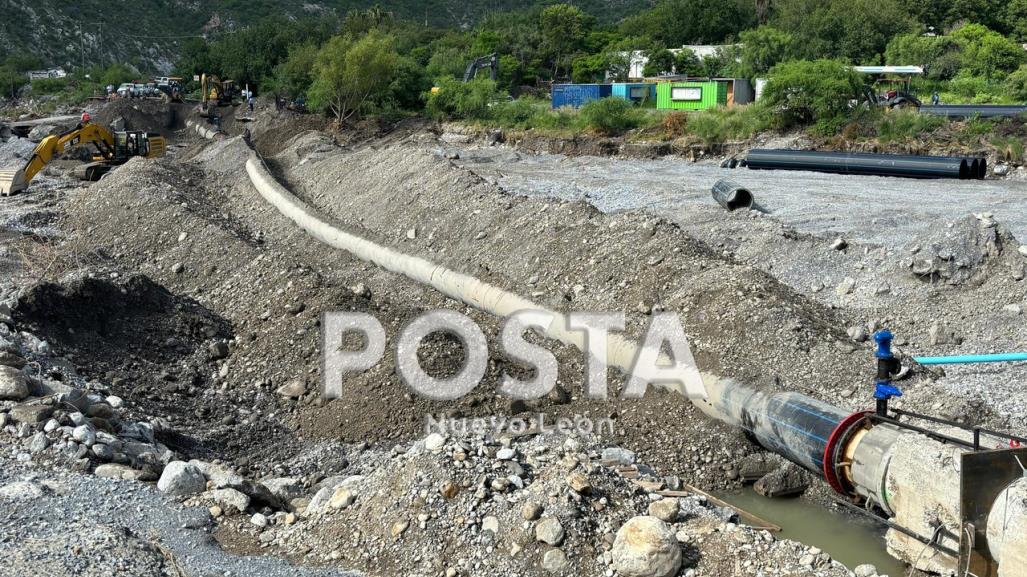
(201, 130)
(621, 352)
(907, 473)
(1007, 530)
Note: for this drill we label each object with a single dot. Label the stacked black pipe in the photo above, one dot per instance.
(972, 110)
(868, 164)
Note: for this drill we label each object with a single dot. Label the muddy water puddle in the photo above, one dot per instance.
(849, 539)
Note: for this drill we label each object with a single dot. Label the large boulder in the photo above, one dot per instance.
(955, 252)
(221, 476)
(787, 481)
(181, 478)
(549, 530)
(646, 547)
(285, 488)
(230, 499)
(42, 131)
(13, 386)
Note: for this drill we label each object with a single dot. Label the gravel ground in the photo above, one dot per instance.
(823, 230)
(62, 523)
(221, 352)
(870, 209)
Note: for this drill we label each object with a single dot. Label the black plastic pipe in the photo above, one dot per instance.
(732, 196)
(971, 110)
(795, 426)
(861, 163)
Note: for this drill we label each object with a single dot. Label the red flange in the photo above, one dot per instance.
(838, 436)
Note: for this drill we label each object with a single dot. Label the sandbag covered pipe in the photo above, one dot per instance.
(859, 163)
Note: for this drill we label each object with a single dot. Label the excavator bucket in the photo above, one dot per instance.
(12, 181)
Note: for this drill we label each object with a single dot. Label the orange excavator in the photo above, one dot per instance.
(113, 149)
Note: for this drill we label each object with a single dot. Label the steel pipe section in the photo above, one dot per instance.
(914, 479)
(859, 163)
(972, 110)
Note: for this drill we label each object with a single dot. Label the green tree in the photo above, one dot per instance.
(687, 63)
(1016, 17)
(11, 80)
(447, 62)
(467, 100)
(408, 84)
(352, 75)
(720, 65)
(764, 47)
(1016, 84)
(114, 75)
(563, 28)
(660, 61)
(293, 77)
(510, 73)
(812, 92)
(618, 56)
(589, 69)
(939, 55)
(194, 59)
(987, 53)
(678, 22)
(854, 30)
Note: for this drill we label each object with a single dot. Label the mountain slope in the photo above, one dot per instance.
(146, 33)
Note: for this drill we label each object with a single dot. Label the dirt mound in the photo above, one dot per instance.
(137, 114)
(152, 346)
(957, 252)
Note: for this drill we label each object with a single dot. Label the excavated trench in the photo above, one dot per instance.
(151, 345)
(855, 541)
(743, 323)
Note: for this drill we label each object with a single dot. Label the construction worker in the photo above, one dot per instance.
(86, 118)
(935, 99)
(251, 101)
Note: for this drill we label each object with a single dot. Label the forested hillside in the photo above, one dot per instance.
(150, 33)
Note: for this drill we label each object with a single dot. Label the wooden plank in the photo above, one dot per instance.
(754, 521)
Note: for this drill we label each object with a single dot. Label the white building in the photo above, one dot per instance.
(639, 59)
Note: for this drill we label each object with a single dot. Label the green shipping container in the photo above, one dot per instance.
(691, 95)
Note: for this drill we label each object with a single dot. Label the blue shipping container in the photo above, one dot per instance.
(575, 95)
(635, 92)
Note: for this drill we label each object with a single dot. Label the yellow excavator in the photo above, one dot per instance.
(114, 149)
(216, 92)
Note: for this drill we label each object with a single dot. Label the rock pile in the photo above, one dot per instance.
(533, 506)
(59, 416)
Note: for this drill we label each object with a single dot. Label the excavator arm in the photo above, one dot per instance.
(16, 180)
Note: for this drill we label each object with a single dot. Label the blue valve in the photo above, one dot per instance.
(887, 365)
(883, 339)
(885, 391)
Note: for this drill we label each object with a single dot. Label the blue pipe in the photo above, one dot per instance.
(967, 359)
